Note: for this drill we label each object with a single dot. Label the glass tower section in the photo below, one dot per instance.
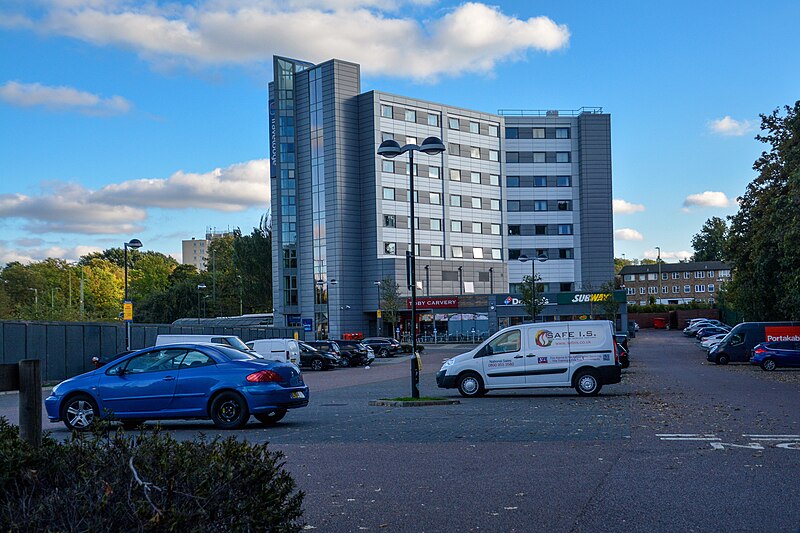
(318, 203)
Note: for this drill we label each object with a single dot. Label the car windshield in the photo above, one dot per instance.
(234, 354)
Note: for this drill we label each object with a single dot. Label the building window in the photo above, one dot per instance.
(390, 248)
(494, 179)
(436, 224)
(540, 229)
(566, 253)
(664, 275)
(665, 289)
(514, 253)
(512, 133)
(512, 157)
(477, 253)
(563, 181)
(474, 177)
(687, 275)
(687, 288)
(676, 275)
(474, 152)
(642, 290)
(436, 249)
(652, 276)
(710, 287)
(699, 288)
(562, 133)
(455, 174)
(388, 193)
(538, 133)
(476, 203)
(512, 181)
(565, 229)
(435, 198)
(387, 136)
(453, 123)
(652, 290)
(513, 205)
(457, 251)
(565, 287)
(416, 196)
(494, 204)
(630, 277)
(411, 140)
(411, 116)
(564, 205)
(387, 166)
(477, 227)
(455, 226)
(539, 157)
(676, 289)
(389, 221)
(434, 172)
(494, 131)
(494, 155)
(514, 229)
(386, 111)
(710, 274)
(474, 127)
(416, 221)
(699, 275)
(495, 229)
(497, 254)
(562, 157)
(540, 205)
(455, 200)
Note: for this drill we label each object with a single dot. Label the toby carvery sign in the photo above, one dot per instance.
(782, 333)
(434, 303)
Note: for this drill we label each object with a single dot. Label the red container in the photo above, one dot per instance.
(660, 323)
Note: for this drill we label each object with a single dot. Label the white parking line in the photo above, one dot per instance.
(772, 437)
(687, 436)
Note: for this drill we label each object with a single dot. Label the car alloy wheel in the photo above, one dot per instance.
(317, 364)
(79, 413)
(383, 352)
(768, 365)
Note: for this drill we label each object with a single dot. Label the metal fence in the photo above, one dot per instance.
(65, 349)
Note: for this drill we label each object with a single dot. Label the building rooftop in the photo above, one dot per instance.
(693, 266)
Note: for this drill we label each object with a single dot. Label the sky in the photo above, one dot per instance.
(124, 119)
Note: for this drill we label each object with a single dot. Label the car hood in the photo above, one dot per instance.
(76, 381)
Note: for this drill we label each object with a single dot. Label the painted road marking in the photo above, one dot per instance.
(687, 436)
(772, 437)
(757, 441)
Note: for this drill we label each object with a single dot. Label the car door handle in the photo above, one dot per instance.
(517, 357)
(168, 378)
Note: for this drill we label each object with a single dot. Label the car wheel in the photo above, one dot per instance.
(345, 362)
(271, 417)
(132, 424)
(470, 385)
(625, 363)
(587, 384)
(768, 365)
(79, 412)
(229, 411)
(722, 359)
(383, 352)
(317, 364)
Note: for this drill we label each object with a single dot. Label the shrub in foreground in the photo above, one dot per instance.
(113, 481)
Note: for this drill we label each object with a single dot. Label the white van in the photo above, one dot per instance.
(580, 354)
(231, 340)
(284, 350)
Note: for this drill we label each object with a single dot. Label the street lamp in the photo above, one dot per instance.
(541, 258)
(35, 296)
(134, 244)
(391, 149)
(658, 261)
(200, 287)
(378, 319)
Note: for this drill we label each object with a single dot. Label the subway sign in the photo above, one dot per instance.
(565, 298)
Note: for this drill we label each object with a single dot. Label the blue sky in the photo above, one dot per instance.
(122, 119)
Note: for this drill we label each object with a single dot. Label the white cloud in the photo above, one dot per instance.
(61, 98)
(628, 234)
(29, 255)
(472, 37)
(121, 208)
(730, 127)
(623, 207)
(706, 199)
(678, 255)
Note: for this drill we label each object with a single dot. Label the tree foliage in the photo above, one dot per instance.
(390, 301)
(765, 232)
(531, 296)
(709, 244)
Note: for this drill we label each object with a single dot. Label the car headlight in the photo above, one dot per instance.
(448, 363)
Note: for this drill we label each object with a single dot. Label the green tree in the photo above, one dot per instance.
(391, 302)
(607, 307)
(252, 256)
(709, 244)
(620, 263)
(149, 273)
(763, 235)
(531, 295)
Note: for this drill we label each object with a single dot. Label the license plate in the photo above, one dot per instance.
(298, 394)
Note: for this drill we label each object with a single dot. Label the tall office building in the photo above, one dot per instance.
(508, 184)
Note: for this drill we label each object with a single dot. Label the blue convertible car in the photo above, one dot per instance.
(180, 381)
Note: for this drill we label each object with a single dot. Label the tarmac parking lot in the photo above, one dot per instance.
(680, 445)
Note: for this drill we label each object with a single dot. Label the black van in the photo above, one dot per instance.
(736, 346)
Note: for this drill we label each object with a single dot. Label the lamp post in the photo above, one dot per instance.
(491, 280)
(240, 296)
(53, 296)
(378, 318)
(541, 258)
(200, 287)
(133, 244)
(390, 149)
(35, 296)
(658, 261)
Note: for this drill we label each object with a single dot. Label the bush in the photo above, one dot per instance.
(113, 481)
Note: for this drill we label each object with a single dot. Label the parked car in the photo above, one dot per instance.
(772, 355)
(406, 347)
(317, 359)
(354, 353)
(185, 380)
(382, 346)
(326, 346)
(711, 341)
(737, 345)
(697, 326)
(711, 330)
(229, 340)
(283, 350)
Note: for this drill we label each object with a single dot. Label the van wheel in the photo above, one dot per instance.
(768, 365)
(587, 384)
(722, 359)
(470, 385)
